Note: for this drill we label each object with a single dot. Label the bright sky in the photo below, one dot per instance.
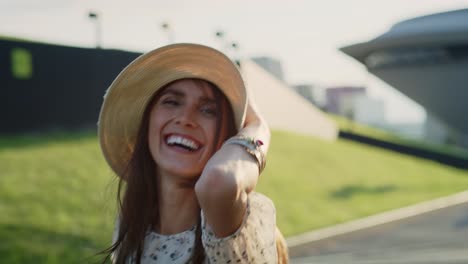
(304, 35)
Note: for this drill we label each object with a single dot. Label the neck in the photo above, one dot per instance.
(178, 205)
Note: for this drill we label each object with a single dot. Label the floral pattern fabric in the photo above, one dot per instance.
(253, 242)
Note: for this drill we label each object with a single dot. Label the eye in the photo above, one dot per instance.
(170, 102)
(209, 110)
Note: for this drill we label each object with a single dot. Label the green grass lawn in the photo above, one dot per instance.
(316, 183)
(55, 200)
(57, 194)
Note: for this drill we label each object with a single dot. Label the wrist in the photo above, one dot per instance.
(254, 147)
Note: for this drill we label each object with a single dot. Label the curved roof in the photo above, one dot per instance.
(451, 21)
(448, 28)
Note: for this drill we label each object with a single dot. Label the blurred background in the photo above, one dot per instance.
(366, 101)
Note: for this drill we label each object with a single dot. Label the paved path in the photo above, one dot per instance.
(439, 236)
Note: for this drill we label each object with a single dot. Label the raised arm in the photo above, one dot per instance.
(229, 176)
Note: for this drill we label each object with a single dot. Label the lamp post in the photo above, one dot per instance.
(220, 36)
(231, 49)
(95, 17)
(166, 27)
(236, 56)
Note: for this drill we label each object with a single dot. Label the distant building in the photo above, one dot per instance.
(307, 91)
(313, 93)
(353, 103)
(436, 131)
(340, 100)
(407, 130)
(369, 111)
(282, 107)
(271, 65)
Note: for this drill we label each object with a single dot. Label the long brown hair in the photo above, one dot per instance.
(137, 198)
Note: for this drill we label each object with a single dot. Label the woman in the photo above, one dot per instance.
(177, 128)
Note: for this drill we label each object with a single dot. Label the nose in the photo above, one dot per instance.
(186, 117)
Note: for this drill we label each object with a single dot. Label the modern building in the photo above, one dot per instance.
(340, 100)
(353, 103)
(369, 111)
(410, 130)
(271, 65)
(426, 58)
(307, 91)
(311, 93)
(436, 130)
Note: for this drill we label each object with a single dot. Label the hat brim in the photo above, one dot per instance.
(129, 94)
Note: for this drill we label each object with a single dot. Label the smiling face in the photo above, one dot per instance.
(182, 133)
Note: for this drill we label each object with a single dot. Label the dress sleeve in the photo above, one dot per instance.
(253, 242)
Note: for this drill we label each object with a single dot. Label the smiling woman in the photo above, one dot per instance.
(187, 144)
(183, 126)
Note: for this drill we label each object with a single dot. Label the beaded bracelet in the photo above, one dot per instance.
(252, 146)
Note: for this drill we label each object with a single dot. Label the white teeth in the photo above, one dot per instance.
(188, 143)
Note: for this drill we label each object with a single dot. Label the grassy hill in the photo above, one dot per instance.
(57, 194)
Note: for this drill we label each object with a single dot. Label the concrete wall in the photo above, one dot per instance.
(47, 87)
(282, 107)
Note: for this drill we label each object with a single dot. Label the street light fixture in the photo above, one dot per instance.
(220, 36)
(166, 27)
(95, 17)
(236, 56)
(230, 48)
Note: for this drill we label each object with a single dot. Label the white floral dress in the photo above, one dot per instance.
(253, 242)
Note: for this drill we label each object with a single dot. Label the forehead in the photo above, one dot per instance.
(190, 88)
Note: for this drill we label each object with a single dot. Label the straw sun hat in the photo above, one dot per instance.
(129, 94)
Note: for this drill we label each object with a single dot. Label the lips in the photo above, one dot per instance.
(184, 142)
